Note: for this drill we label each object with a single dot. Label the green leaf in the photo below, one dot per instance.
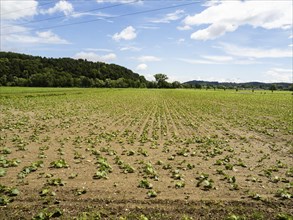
(14, 192)
(2, 172)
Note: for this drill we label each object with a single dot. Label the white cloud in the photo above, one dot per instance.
(126, 34)
(149, 27)
(279, 75)
(14, 29)
(170, 17)
(98, 49)
(103, 16)
(61, 6)
(227, 16)
(130, 48)
(144, 59)
(120, 1)
(50, 38)
(91, 56)
(218, 58)
(142, 67)
(13, 10)
(213, 31)
(184, 28)
(197, 61)
(210, 3)
(255, 52)
(46, 37)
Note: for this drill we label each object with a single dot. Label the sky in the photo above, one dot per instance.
(220, 40)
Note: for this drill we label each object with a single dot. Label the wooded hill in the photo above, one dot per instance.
(26, 70)
(231, 85)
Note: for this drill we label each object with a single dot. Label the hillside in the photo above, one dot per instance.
(26, 70)
(247, 85)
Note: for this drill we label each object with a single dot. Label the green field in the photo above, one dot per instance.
(145, 154)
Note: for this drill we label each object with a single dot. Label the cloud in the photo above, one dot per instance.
(228, 16)
(120, 1)
(101, 15)
(196, 61)
(13, 10)
(98, 49)
(144, 59)
(61, 6)
(279, 75)
(170, 17)
(218, 58)
(50, 38)
(213, 31)
(91, 56)
(149, 27)
(130, 48)
(184, 28)
(126, 34)
(210, 3)
(142, 67)
(46, 37)
(255, 52)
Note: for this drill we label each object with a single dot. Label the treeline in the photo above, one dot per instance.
(26, 70)
(238, 86)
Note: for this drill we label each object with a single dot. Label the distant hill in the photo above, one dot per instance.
(26, 70)
(246, 85)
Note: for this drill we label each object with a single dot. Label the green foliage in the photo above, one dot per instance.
(55, 182)
(205, 182)
(47, 214)
(235, 217)
(6, 194)
(59, 164)
(161, 80)
(101, 175)
(284, 216)
(80, 191)
(152, 194)
(29, 169)
(145, 184)
(5, 163)
(25, 70)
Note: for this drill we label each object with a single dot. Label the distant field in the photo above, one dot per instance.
(145, 154)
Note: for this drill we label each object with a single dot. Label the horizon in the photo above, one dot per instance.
(223, 41)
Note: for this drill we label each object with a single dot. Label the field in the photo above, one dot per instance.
(145, 154)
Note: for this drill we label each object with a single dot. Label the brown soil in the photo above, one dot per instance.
(245, 166)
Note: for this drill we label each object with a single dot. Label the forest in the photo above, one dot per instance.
(26, 70)
(35, 71)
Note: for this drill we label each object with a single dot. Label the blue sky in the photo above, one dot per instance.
(234, 41)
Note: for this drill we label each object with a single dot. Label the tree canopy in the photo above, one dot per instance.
(161, 80)
(25, 70)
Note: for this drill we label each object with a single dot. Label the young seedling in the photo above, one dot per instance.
(2, 172)
(152, 194)
(80, 191)
(59, 164)
(56, 182)
(205, 182)
(179, 184)
(29, 169)
(145, 184)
